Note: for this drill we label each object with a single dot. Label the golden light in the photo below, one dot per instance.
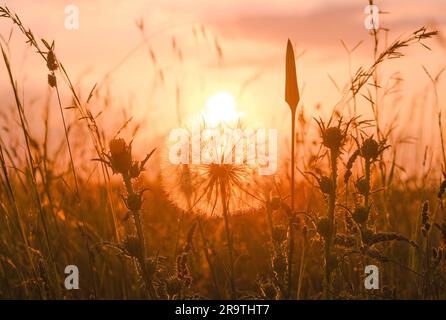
(221, 109)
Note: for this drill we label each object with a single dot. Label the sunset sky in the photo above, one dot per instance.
(252, 35)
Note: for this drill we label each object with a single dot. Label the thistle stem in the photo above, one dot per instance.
(330, 214)
(139, 232)
(367, 179)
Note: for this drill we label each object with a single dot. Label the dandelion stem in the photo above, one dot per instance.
(229, 238)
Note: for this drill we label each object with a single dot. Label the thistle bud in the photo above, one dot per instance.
(370, 149)
(362, 186)
(120, 156)
(333, 138)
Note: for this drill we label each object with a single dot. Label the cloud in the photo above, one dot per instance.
(325, 25)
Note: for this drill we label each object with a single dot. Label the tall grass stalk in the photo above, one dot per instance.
(292, 98)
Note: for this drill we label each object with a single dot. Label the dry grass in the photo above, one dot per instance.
(310, 239)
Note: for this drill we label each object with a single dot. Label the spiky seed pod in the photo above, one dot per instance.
(349, 166)
(51, 61)
(362, 186)
(279, 233)
(134, 201)
(120, 156)
(361, 214)
(370, 149)
(324, 228)
(275, 203)
(326, 185)
(425, 218)
(131, 245)
(442, 189)
(333, 138)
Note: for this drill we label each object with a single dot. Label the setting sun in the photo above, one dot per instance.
(241, 153)
(221, 109)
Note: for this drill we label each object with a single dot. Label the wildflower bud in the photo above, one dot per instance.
(333, 138)
(52, 81)
(120, 156)
(324, 228)
(360, 215)
(326, 185)
(362, 186)
(51, 61)
(370, 149)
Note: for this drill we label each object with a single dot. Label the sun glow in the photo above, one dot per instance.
(221, 109)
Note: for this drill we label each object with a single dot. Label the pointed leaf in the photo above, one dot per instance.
(291, 88)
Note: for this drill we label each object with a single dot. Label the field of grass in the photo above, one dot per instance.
(219, 231)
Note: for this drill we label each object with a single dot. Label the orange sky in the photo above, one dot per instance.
(252, 35)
